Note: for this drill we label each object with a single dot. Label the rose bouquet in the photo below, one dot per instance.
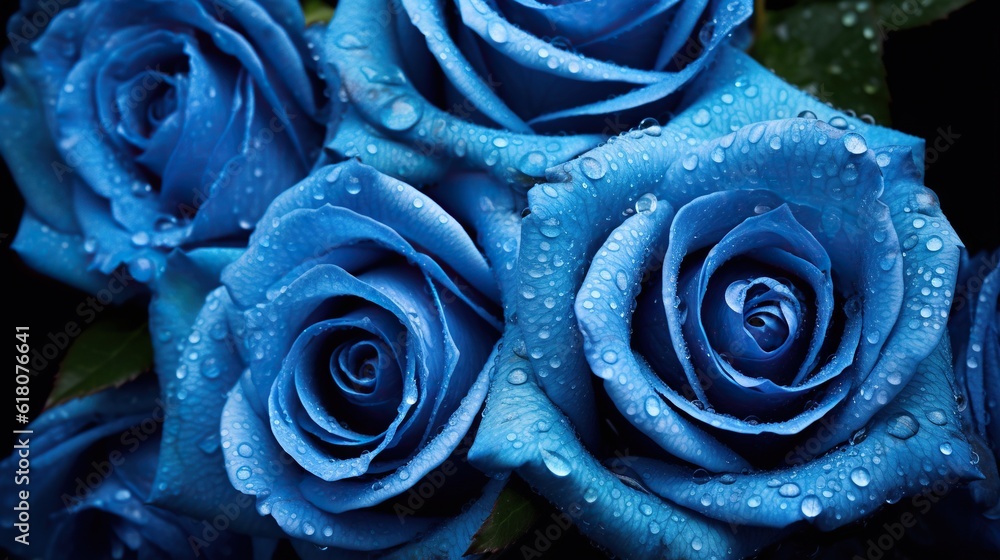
(411, 279)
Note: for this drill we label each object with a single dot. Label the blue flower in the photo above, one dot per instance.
(133, 127)
(975, 334)
(734, 324)
(90, 473)
(479, 81)
(335, 374)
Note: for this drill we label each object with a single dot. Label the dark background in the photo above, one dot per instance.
(940, 77)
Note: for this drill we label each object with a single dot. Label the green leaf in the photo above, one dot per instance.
(833, 49)
(904, 14)
(113, 350)
(832, 53)
(516, 510)
(317, 11)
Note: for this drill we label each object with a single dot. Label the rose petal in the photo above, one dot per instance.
(194, 378)
(396, 108)
(911, 445)
(546, 453)
(606, 325)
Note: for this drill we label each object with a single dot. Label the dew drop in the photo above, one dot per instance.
(690, 162)
(887, 261)
(903, 426)
(839, 122)
(653, 406)
(702, 117)
(401, 113)
(860, 477)
(556, 464)
(718, 155)
(532, 163)
(646, 203)
(517, 377)
(349, 41)
(497, 32)
(140, 239)
(811, 506)
(650, 126)
(592, 168)
(789, 490)
(855, 143)
(937, 417)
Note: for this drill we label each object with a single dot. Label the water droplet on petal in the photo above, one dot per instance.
(903, 426)
(702, 117)
(690, 162)
(592, 168)
(937, 417)
(811, 506)
(401, 113)
(839, 122)
(349, 41)
(556, 463)
(653, 406)
(855, 143)
(497, 32)
(861, 477)
(532, 163)
(789, 490)
(646, 203)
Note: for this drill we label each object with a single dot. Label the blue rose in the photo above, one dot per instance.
(335, 374)
(133, 127)
(731, 325)
(478, 81)
(90, 473)
(975, 334)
